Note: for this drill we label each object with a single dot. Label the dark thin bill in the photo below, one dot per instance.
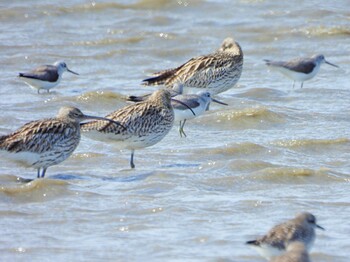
(70, 71)
(106, 119)
(219, 102)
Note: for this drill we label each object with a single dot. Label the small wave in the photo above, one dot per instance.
(263, 94)
(296, 143)
(253, 117)
(296, 175)
(36, 190)
(324, 31)
(110, 41)
(94, 6)
(245, 148)
(15, 185)
(101, 97)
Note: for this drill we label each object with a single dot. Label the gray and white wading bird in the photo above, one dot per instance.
(199, 103)
(45, 77)
(146, 123)
(216, 72)
(274, 243)
(44, 143)
(299, 69)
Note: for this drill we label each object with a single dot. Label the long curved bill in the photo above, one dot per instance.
(70, 71)
(104, 119)
(219, 102)
(184, 105)
(331, 64)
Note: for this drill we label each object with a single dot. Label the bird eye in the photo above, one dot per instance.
(312, 220)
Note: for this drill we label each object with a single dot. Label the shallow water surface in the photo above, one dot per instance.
(273, 152)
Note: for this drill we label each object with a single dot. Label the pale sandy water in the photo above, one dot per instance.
(273, 152)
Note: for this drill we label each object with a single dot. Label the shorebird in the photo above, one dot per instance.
(199, 103)
(274, 243)
(296, 252)
(146, 123)
(45, 77)
(216, 72)
(299, 69)
(44, 143)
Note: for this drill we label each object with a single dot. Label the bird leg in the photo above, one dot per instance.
(38, 176)
(43, 173)
(132, 159)
(302, 83)
(181, 128)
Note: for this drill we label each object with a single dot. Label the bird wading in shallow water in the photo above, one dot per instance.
(199, 103)
(45, 77)
(146, 123)
(44, 143)
(216, 72)
(274, 243)
(299, 69)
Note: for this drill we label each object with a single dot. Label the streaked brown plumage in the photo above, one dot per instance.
(43, 143)
(301, 228)
(146, 123)
(217, 72)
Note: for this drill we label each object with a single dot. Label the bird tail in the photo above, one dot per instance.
(268, 62)
(2, 140)
(160, 78)
(252, 242)
(137, 98)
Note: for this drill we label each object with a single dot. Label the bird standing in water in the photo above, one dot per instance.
(146, 123)
(44, 143)
(216, 72)
(45, 77)
(299, 69)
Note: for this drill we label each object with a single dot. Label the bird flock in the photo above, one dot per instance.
(43, 143)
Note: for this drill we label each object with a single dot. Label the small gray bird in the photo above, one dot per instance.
(45, 77)
(197, 103)
(274, 243)
(299, 69)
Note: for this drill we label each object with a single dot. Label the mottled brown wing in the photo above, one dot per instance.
(278, 234)
(135, 118)
(159, 78)
(37, 136)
